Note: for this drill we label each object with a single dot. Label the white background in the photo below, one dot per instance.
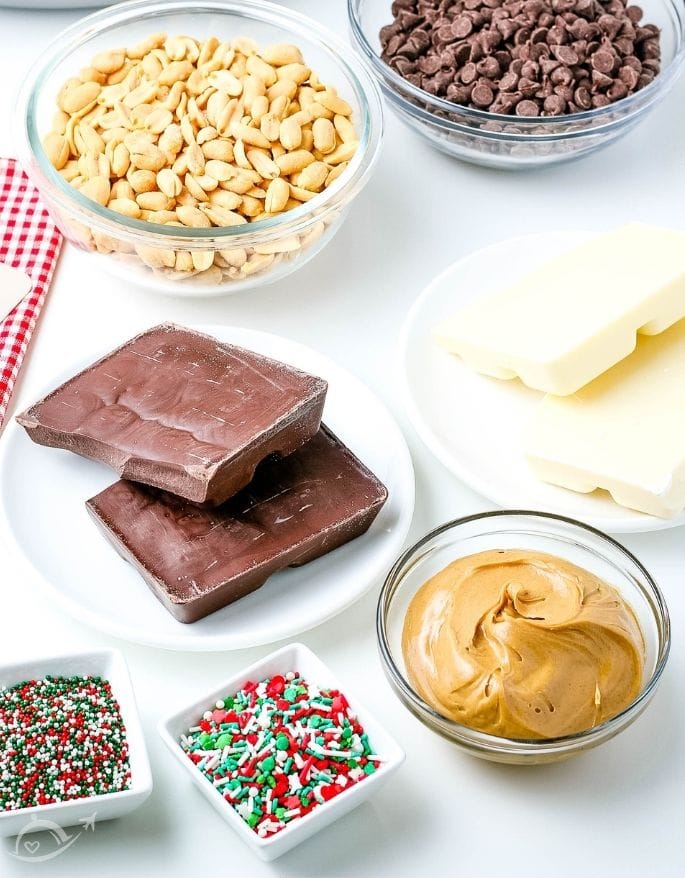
(618, 811)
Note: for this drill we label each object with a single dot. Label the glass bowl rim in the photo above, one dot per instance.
(293, 24)
(459, 733)
(664, 79)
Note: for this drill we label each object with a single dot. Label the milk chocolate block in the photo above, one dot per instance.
(181, 411)
(197, 560)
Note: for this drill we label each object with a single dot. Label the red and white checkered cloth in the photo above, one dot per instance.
(30, 242)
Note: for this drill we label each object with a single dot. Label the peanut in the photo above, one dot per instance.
(76, 98)
(280, 54)
(154, 201)
(196, 134)
(125, 206)
(57, 149)
(294, 162)
(98, 189)
(108, 62)
(169, 183)
(193, 218)
(290, 133)
(277, 195)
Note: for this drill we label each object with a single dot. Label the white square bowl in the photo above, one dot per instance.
(110, 665)
(294, 657)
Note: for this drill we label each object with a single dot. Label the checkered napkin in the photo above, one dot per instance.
(30, 242)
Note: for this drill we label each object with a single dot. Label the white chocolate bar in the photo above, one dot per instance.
(624, 432)
(565, 323)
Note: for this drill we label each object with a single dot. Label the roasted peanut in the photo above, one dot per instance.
(196, 134)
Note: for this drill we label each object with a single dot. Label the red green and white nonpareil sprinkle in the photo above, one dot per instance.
(279, 748)
(61, 738)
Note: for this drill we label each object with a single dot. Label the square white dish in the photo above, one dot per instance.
(110, 665)
(294, 656)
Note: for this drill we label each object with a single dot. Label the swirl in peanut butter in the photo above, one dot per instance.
(522, 644)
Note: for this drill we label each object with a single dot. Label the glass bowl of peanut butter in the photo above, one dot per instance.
(522, 637)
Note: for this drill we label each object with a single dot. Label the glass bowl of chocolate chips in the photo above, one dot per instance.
(521, 83)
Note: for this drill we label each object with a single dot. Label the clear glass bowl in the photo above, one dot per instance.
(139, 250)
(499, 141)
(564, 537)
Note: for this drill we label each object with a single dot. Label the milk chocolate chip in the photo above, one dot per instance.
(523, 57)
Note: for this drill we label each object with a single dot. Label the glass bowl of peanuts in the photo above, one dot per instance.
(199, 147)
(519, 84)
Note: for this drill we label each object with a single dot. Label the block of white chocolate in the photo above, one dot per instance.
(624, 432)
(571, 319)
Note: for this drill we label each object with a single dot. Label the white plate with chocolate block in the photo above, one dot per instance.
(321, 519)
(478, 426)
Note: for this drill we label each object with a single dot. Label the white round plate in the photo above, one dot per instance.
(474, 424)
(44, 521)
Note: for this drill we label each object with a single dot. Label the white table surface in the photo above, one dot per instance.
(617, 811)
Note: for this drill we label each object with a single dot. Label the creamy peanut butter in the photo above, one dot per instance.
(522, 644)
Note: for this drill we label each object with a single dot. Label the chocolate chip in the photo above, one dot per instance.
(609, 25)
(629, 76)
(488, 67)
(603, 61)
(482, 95)
(557, 36)
(554, 105)
(617, 90)
(404, 66)
(462, 54)
(508, 82)
(527, 108)
(429, 64)
(477, 51)
(624, 46)
(565, 54)
(583, 98)
(561, 76)
(600, 81)
(651, 49)
(469, 73)
(523, 57)
(462, 27)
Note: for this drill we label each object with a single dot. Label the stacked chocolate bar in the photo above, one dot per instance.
(228, 474)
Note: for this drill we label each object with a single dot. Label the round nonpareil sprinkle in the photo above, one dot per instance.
(61, 738)
(279, 748)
